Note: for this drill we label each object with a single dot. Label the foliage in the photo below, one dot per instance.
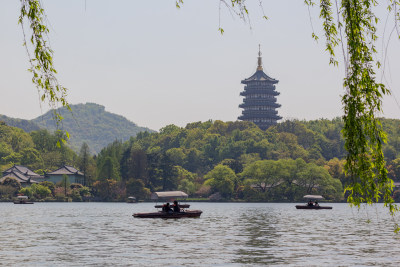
(42, 67)
(49, 185)
(7, 191)
(362, 131)
(86, 163)
(26, 191)
(40, 191)
(11, 182)
(136, 188)
(26, 125)
(90, 123)
(221, 179)
(64, 183)
(107, 190)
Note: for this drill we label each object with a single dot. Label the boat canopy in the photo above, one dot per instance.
(313, 197)
(22, 197)
(168, 194)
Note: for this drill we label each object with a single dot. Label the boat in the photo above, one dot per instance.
(22, 200)
(131, 200)
(169, 195)
(313, 203)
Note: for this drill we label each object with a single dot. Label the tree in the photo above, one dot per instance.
(40, 191)
(136, 188)
(109, 169)
(84, 158)
(221, 179)
(9, 181)
(265, 174)
(65, 183)
(106, 189)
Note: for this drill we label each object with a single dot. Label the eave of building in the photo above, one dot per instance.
(259, 76)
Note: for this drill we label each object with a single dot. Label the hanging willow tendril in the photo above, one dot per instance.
(41, 60)
(362, 101)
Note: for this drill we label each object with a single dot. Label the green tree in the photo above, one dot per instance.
(221, 179)
(265, 174)
(40, 191)
(9, 181)
(84, 161)
(65, 183)
(49, 185)
(109, 169)
(136, 188)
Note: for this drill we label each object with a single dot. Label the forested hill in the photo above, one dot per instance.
(92, 124)
(238, 160)
(26, 125)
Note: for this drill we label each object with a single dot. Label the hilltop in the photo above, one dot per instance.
(89, 123)
(92, 124)
(26, 125)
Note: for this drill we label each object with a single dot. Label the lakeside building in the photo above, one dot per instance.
(26, 177)
(259, 103)
(23, 175)
(74, 175)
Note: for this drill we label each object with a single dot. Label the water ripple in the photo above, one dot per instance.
(245, 234)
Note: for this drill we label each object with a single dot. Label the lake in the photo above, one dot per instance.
(227, 234)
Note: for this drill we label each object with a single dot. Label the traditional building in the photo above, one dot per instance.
(23, 175)
(259, 103)
(74, 175)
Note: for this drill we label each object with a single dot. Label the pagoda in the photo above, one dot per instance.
(259, 103)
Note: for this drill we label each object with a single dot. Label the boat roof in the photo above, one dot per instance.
(168, 194)
(313, 197)
(22, 197)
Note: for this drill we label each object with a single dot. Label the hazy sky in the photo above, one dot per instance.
(158, 65)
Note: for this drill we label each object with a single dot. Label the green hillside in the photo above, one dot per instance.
(90, 123)
(26, 125)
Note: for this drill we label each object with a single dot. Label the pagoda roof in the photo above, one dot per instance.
(259, 75)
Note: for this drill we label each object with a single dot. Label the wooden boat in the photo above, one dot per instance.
(312, 203)
(170, 195)
(22, 200)
(306, 207)
(169, 215)
(131, 200)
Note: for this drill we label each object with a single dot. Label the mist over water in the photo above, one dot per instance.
(226, 234)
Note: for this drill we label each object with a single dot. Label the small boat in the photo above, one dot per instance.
(22, 200)
(131, 200)
(313, 203)
(169, 215)
(183, 213)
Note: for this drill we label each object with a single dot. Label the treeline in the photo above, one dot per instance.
(233, 160)
(220, 160)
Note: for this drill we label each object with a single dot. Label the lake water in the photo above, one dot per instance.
(227, 234)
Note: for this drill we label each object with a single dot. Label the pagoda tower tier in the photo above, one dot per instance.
(259, 103)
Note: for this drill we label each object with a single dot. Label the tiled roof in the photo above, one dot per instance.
(260, 76)
(19, 176)
(65, 170)
(21, 169)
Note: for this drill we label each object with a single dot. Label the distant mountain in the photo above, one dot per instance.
(90, 123)
(26, 125)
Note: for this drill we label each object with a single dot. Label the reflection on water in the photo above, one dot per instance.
(259, 227)
(234, 234)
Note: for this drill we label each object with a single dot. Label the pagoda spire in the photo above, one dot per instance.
(259, 67)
